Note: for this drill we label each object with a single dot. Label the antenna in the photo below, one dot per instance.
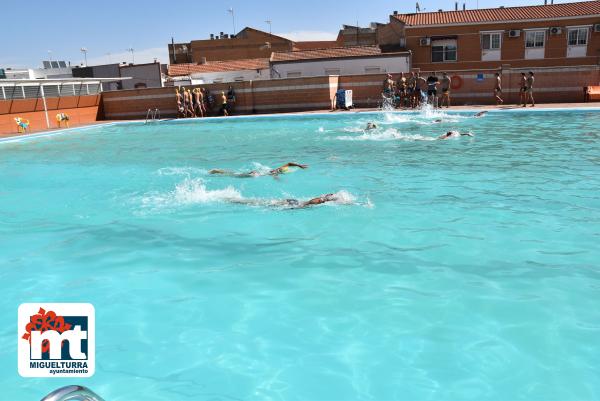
(131, 50)
(84, 50)
(230, 11)
(418, 7)
(269, 22)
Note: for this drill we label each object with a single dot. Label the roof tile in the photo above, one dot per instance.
(334, 52)
(217, 66)
(502, 14)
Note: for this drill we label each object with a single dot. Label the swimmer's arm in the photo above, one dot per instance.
(466, 134)
(292, 164)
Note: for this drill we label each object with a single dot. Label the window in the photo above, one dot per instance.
(443, 50)
(372, 70)
(332, 71)
(294, 74)
(238, 79)
(578, 36)
(491, 41)
(535, 39)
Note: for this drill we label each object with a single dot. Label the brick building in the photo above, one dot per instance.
(531, 36)
(249, 43)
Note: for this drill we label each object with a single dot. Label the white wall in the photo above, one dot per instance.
(347, 66)
(229, 76)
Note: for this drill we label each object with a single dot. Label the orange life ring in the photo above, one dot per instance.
(456, 82)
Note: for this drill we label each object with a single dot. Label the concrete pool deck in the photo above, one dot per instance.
(546, 106)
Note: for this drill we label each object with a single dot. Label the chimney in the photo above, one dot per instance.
(395, 12)
(545, 2)
(440, 10)
(212, 36)
(456, 6)
(464, 6)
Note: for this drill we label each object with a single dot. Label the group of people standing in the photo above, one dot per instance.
(411, 90)
(199, 102)
(525, 89)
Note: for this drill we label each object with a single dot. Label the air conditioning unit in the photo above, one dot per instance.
(555, 30)
(425, 42)
(596, 27)
(514, 33)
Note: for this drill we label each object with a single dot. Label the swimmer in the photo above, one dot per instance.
(274, 173)
(453, 134)
(371, 126)
(439, 120)
(480, 114)
(289, 203)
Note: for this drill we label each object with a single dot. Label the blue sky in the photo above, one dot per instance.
(111, 26)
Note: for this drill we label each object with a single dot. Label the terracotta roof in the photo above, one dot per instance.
(335, 52)
(550, 11)
(217, 66)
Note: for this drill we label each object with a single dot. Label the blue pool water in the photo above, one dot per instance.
(466, 269)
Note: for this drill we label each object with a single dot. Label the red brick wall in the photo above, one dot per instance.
(557, 84)
(81, 109)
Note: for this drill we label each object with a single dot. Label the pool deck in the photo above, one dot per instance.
(361, 110)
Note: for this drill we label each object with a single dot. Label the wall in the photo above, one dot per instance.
(268, 96)
(513, 49)
(81, 109)
(347, 66)
(557, 84)
(147, 74)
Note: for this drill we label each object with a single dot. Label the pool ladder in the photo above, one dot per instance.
(72, 393)
(152, 115)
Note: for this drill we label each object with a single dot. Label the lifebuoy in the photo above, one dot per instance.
(456, 82)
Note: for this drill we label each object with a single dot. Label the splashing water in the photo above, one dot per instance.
(390, 134)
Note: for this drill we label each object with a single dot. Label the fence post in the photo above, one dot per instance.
(45, 107)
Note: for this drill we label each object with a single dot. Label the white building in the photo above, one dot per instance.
(338, 61)
(221, 71)
(51, 70)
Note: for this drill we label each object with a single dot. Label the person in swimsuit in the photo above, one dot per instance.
(432, 83)
(224, 107)
(530, 81)
(198, 103)
(180, 108)
(523, 89)
(480, 114)
(446, 82)
(401, 85)
(453, 134)
(388, 86)
(274, 173)
(371, 126)
(419, 93)
(289, 203)
(498, 89)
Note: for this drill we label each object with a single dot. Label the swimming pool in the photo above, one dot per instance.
(464, 269)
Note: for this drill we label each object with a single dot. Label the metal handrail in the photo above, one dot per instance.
(153, 114)
(72, 393)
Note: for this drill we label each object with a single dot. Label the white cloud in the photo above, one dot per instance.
(141, 56)
(299, 36)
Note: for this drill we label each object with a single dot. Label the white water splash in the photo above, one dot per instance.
(167, 171)
(190, 191)
(390, 134)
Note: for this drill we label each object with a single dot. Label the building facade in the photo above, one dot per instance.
(565, 34)
(338, 61)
